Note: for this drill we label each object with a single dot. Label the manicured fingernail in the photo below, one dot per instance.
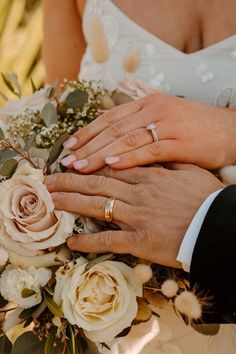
(112, 159)
(78, 165)
(70, 143)
(68, 160)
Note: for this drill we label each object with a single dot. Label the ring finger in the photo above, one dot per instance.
(129, 142)
(93, 206)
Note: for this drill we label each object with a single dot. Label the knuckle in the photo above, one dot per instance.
(140, 191)
(154, 149)
(97, 204)
(130, 139)
(68, 179)
(107, 240)
(95, 183)
(115, 131)
(110, 116)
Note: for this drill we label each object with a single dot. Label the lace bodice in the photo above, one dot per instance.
(208, 75)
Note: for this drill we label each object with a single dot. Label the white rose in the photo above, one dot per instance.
(35, 102)
(14, 281)
(135, 88)
(102, 300)
(29, 222)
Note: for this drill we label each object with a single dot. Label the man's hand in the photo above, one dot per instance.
(154, 207)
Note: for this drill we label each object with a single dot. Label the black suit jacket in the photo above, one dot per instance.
(213, 265)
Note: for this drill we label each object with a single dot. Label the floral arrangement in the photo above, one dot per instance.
(66, 302)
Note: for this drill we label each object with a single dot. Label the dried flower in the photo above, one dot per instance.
(188, 304)
(143, 273)
(169, 288)
(97, 40)
(132, 61)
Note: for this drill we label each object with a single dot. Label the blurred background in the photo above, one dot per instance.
(20, 43)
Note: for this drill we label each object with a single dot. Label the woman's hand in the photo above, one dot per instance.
(154, 207)
(188, 132)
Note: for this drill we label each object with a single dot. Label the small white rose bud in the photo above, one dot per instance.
(143, 273)
(188, 304)
(3, 256)
(169, 288)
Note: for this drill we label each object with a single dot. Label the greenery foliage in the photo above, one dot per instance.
(20, 43)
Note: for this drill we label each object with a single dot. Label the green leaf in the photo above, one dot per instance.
(86, 346)
(10, 84)
(8, 168)
(3, 302)
(57, 148)
(5, 345)
(6, 155)
(27, 313)
(72, 343)
(2, 136)
(77, 99)
(34, 88)
(98, 260)
(49, 114)
(52, 306)
(50, 341)
(207, 329)
(29, 142)
(27, 293)
(28, 343)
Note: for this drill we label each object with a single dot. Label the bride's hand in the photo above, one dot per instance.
(188, 132)
(153, 207)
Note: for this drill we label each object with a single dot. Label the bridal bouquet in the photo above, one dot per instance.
(65, 301)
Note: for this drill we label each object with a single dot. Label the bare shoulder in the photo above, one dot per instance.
(81, 6)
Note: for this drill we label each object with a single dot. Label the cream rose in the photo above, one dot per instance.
(23, 286)
(35, 102)
(29, 223)
(101, 300)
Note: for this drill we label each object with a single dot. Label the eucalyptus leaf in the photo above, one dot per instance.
(77, 99)
(27, 313)
(27, 293)
(2, 136)
(29, 142)
(207, 329)
(3, 302)
(98, 260)
(57, 148)
(49, 114)
(52, 306)
(28, 343)
(5, 345)
(6, 155)
(8, 168)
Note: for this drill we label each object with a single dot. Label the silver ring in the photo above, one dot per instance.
(152, 128)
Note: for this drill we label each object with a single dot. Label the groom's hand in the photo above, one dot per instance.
(154, 207)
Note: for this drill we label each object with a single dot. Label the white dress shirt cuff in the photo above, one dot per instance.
(187, 246)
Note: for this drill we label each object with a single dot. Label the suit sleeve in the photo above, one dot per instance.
(213, 266)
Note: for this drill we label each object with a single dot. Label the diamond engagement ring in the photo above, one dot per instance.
(153, 130)
(108, 211)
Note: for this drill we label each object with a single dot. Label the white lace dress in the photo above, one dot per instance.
(208, 76)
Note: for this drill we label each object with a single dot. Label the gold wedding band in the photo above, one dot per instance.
(108, 211)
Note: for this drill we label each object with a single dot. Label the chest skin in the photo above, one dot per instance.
(188, 25)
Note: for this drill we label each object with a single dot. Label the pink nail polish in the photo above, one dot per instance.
(78, 165)
(68, 144)
(112, 159)
(68, 160)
